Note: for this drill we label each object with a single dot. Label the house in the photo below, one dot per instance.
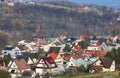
(77, 48)
(32, 58)
(94, 45)
(45, 65)
(110, 46)
(77, 61)
(103, 64)
(54, 50)
(9, 50)
(58, 60)
(84, 37)
(17, 66)
(93, 53)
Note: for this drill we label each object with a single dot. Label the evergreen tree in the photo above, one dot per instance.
(114, 54)
(84, 44)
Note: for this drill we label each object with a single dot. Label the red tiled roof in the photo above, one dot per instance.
(84, 36)
(66, 56)
(53, 55)
(90, 51)
(47, 63)
(97, 68)
(101, 54)
(97, 53)
(77, 47)
(110, 40)
(78, 56)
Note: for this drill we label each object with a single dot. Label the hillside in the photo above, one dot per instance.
(53, 19)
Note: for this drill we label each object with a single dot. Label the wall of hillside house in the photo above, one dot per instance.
(112, 67)
(106, 69)
(70, 64)
(42, 71)
(31, 61)
(13, 67)
(61, 49)
(97, 62)
(96, 48)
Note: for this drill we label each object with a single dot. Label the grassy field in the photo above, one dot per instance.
(96, 75)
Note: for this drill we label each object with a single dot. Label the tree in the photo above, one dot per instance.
(4, 39)
(40, 51)
(7, 59)
(37, 75)
(114, 54)
(4, 74)
(94, 37)
(84, 44)
(67, 48)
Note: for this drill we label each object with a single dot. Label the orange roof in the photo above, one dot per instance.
(53, 55)
(77, 47)
(101, 54)
(66, 56)
(98, 53)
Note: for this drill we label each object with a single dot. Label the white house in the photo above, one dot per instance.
(9, 50)
(17, 66)
(45, 65)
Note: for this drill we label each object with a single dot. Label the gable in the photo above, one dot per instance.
(46, 63)
(103, 61)
(13, 65)
(97, 63)
(59, 57)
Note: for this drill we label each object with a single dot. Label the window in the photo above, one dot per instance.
(5, 52)
(64, 62)
(12, 71)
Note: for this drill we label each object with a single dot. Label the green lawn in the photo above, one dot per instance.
(96, 75)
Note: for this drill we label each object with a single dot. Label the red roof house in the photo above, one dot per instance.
(44, 65)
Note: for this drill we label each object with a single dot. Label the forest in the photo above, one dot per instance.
(53, 19)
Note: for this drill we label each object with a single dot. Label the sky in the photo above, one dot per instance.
(109, 3)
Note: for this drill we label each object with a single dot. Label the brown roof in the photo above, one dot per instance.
(106, 62)
(54, 50)
(97, 68)
(21, 64)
